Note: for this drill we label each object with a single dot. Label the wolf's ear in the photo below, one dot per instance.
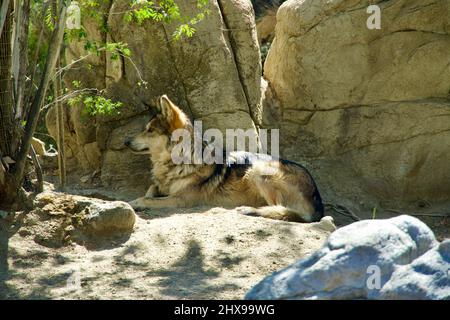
(152, 107)
(176, 118)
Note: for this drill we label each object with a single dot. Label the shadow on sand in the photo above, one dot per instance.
(189, 278)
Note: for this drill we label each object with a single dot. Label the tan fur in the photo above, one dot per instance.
(275, 189)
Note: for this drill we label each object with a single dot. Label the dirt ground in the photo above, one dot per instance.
(196, 254)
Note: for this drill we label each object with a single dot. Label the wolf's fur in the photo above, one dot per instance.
(289, 193)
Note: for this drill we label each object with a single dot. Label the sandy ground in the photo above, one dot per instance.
(217, 254)
(195, 253)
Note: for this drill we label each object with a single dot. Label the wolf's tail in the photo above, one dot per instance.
(279, 212)
(318, 205)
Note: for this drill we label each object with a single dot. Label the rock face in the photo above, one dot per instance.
(402, 251)
(214, 76)
(368, 107)
(366, 110)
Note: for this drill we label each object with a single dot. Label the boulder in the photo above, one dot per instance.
(109, 217)
(368, 107)
(59, 219)
(401, 252)
(427, 277)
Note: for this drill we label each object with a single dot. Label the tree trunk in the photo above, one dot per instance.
(60, 132)
(52, 56)
(6, 98)
(6, 95)
(14, 178)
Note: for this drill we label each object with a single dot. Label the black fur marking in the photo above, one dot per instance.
(217, 174)
(316, 198)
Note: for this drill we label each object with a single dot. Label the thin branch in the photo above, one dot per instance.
(36, 55)
(60, 133)
(433, 214)
(21, 58)
(343, 211)
(135, 67)
(68, 66)
(38, 169)
(30, 127)
(68, 96)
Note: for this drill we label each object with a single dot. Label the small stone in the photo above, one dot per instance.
(109, 217)
(85, 179)
(326, 223)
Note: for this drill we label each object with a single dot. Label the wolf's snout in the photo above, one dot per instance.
(127, 142)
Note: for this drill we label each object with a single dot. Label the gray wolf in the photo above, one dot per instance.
(289, 193)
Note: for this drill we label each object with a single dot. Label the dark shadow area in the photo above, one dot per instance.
(31, 260)
(100, 243)
(227, 260)
(149, 214)
(7, 230)
(4, 239)
(56, 279)
(189, 278)
(127, 258)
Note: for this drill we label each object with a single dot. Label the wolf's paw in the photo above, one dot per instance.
(248, 211)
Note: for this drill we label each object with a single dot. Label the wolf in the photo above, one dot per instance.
(288, 193)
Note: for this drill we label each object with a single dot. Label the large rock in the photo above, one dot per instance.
(59, 219)
(402, 251)
(368, 107)
(427, 277)
(214, 76)
(109, 217)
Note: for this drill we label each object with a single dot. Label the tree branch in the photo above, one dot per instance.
(52, 56)
(38, 169)
(3, 13)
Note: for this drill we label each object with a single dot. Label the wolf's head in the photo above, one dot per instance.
(157, 133)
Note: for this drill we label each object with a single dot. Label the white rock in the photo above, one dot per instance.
(341, 268)
(427, 277)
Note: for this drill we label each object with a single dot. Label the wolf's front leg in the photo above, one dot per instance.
(152, 192)
(157, 203)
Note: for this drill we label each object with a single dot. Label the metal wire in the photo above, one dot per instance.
(6, 97)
